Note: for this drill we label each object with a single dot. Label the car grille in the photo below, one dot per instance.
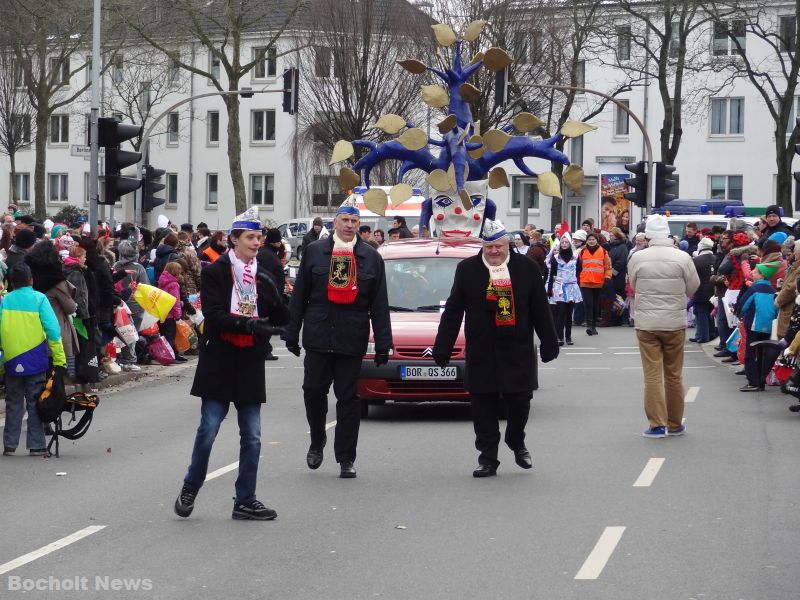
(419, 352)
(435, 388)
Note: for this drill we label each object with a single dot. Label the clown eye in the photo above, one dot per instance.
(443, 201)
(476, 200)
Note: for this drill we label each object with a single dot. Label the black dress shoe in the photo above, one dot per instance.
(569, 342)
(270, 356)
(739, 372)
(692, 339)
(314, 457)
(485, 471)
(348, 470)
(721, 354)
(523, 458)
(718, 348)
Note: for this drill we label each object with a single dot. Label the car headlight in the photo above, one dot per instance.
(371, 349)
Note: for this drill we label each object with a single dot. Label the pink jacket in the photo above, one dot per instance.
(168, 283)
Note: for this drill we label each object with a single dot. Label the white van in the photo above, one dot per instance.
(294, 230)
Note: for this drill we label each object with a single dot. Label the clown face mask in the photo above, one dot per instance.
(451, 219)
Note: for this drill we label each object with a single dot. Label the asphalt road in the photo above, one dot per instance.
(604, 514)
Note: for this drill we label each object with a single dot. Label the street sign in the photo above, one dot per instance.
(84, 151)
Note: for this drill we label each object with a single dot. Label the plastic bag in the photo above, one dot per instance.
(182, 333)
(154, 301)
(148, 326)
(732, 343)
(122, 315)
(197, 317)
(160, 349)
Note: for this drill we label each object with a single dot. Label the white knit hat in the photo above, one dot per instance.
(657, 226)
(705, 244)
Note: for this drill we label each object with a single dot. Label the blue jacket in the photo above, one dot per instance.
(757, 307)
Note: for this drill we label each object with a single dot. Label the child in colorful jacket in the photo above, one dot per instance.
(28, 329)
(757, 310)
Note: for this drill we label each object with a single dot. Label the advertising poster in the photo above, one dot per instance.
(615, 210)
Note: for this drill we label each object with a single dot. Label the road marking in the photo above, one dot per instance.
(634, 368)
(691, 395)
(703, 367)
(635, 353)
(45, 550)
(221, 471)
(649, 472)
(623, 347)
(274, 367)
(602, 551)
(692, 351)
(329, 425)
(590, 368)
(581, 353)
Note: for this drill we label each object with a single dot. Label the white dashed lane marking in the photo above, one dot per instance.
(649, 472)
(602, 551)
(49, 548)
(691, 394)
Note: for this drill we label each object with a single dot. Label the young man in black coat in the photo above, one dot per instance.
(502, 296)
(242, 307)
(340, 288)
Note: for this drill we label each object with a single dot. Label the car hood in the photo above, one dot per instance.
(418, 329)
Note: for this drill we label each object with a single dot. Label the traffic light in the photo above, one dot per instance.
(152, 185)
(291, 84)
(638, 183)
(110, 135)
(664, 183)
(502, 89)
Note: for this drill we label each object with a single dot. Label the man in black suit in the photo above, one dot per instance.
(502, 296)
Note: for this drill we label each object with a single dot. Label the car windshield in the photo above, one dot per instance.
(419, 284)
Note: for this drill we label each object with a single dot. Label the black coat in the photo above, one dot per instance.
(498, 359)
(225, 372)
(704, 263)
(340, 328)
(268, 261)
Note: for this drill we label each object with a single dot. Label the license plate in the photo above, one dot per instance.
(443, 373)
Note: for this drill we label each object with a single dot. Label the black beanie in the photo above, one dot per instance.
(772, 209)
(273, 236)
(24, 239)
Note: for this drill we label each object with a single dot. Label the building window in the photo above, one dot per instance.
(576, 150)
(725, 187)
(674, 40)
(727, 116)
(624, 43)
(580, 74)
(20, 129)
(59, 129)
(145, 96)
(322, 61)
(60, 70)
(326, 192)
(788, 32)
(262, 190)
(213, 67)
(212, 123)
(262, 127)
(621, 120)
(211, 189)
(58, 187)
(172, 189)
(172, 128)
(174, 72)
(723, 45)
(23, 191)
(524, 188)
(267, 66)
(117, 72)
(795, 112)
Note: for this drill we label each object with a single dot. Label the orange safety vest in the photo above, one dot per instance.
(593, 268)
(211, 254)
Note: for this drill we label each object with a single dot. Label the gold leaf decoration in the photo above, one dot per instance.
(341, 151)
(473, 30)
(376, 200)
(496, 59)
(547, 183)
(469, 93)
(573, 129)
(573, 178)
(526, 122)
(413, 139)
(435, 96)
(466, 201)
(451, 177)
(476, 58)
(479, 151)
(444, 34)
(438, 180)
(400, 193)
(348, 179)
(413, 66)
(390, 123)
(447, 124)
(498, 178)
(495, 140)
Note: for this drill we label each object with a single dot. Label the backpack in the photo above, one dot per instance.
(52, 399)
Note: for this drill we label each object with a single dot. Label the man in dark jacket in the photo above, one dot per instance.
(772, 215)
(241, 306)
(499, 341)
(313, 233)
(268, 261)
(704, 263)
(340, 288)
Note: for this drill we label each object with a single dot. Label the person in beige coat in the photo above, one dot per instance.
(788, 292)
(663, 278)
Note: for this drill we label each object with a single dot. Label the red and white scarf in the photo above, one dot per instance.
(500, 291)
(342, 275)
(244, 297)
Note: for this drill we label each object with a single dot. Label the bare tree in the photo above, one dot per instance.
(222, 28)
(16, 115)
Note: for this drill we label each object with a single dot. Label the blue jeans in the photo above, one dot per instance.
(702, 317)
(22, 391)
(212, 414)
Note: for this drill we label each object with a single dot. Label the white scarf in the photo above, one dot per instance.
(243, 295)
(499, 274)
(340, 243)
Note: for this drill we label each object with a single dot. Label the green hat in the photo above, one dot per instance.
(768, 270)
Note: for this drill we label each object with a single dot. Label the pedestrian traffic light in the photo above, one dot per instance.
(638, 183)
(502, 89)
(152, 185)
(291, 84)
(664, 183)
(110, 135)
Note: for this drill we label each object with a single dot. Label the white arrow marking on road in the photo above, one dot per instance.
(222, 471)
(603, 549)
(691, 395)
(45, 550)
(649, 472)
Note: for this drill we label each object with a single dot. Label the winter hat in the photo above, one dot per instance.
(770, 247)
(127, 250)
(656, 227)
(778, 236)
(683, 245)
(24, 239)
(769, 269)
(273, 236)
(705, 244)
(772, 209)
(579, 236)
(740, 239)
(57, 229)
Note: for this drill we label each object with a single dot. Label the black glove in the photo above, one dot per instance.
(262, 328)
(293, 346)
(268, 289)
(441, 359)
(548, 353)
(381, 358)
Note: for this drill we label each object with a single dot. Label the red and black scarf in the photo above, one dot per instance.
(501, 292)
(342, 273)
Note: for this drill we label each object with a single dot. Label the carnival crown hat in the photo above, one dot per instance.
(248, 221)
(492, 230)
(349, 207)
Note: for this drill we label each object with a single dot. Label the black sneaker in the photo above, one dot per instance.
(8, 451)
(184, 505)
(252, 511)
(39, 452)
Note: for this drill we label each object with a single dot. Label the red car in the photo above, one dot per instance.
(419, 275)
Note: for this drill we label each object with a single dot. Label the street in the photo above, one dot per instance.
(604, 514)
